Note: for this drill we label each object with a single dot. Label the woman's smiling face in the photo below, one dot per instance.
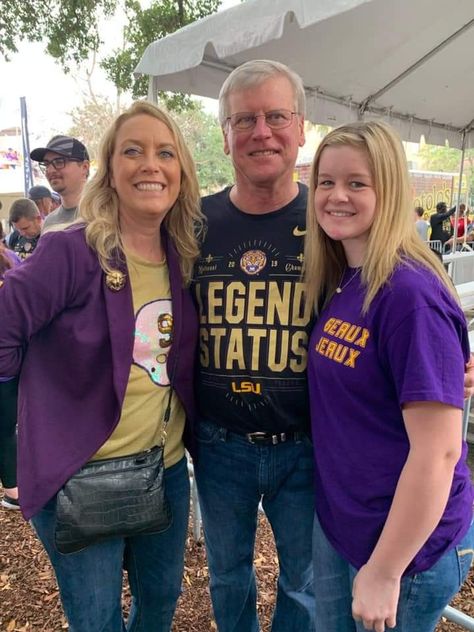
(146, 172)
(344, 199)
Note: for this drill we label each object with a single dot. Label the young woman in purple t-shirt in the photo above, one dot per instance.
(393, 537)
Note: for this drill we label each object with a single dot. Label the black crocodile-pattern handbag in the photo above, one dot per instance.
(116, 497)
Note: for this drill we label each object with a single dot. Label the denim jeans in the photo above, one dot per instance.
(232, 477)
(423, 596)
(90, 581)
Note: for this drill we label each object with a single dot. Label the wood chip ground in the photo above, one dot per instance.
(29, 599)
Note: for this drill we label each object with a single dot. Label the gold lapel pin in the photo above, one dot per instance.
(115, 280)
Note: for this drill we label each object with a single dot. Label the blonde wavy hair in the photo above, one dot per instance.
(99, 205)
(392, 235)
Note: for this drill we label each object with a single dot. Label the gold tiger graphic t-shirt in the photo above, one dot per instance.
(147, 393)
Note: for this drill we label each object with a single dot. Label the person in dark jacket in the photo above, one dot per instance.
(441, 229)
(102, 331)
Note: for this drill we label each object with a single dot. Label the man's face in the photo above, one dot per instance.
(28, 227)
(262, 155)
(69, 179)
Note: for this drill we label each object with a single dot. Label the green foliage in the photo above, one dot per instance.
(70, 30)
(68, 27)
(204, 138)
(321, 130)
(144, 26)
(435, 158)
(90, 120)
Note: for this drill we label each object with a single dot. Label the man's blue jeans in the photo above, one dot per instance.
(423, 596)
(233, 476)
(90, 581)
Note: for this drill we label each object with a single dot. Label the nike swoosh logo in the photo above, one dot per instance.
(297, 232)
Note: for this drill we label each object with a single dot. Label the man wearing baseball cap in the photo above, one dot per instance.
(43, 199)
(65, 163)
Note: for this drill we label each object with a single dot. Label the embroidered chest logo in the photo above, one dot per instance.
(299, 232)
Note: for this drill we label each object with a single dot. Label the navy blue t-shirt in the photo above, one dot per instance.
(254, 323)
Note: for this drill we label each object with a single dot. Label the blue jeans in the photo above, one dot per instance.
(90, 581)
(423, 596)
(233, 476)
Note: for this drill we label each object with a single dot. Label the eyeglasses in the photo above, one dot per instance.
(276, 119)
(57, 163)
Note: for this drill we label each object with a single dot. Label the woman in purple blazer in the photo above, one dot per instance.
(99, 325)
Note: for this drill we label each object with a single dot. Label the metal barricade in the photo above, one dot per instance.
(436, 245)
(458, 617)
(195, 507)
(460, 266)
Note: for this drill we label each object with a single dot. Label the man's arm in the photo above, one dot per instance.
(443, 216)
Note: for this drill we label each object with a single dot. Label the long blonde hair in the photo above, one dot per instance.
(99, 205)
(392, 236)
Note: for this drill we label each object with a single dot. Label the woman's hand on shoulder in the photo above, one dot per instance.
(469, 378)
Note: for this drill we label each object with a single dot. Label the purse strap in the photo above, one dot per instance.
(166, 418)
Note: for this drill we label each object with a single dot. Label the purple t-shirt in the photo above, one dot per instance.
(410, 346)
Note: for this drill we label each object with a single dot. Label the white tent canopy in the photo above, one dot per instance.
(409, 61)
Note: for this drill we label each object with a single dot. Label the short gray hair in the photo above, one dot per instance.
(253, 73)
(23, 208)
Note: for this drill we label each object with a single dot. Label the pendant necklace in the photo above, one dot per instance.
(343, 287)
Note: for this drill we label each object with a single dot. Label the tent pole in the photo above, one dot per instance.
(153, 90)
(461, 170)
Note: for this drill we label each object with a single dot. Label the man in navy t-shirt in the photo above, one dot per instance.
(253, 425)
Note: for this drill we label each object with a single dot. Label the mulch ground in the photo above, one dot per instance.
(29, 598)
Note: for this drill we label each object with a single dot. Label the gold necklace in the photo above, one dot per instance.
(343, 287)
